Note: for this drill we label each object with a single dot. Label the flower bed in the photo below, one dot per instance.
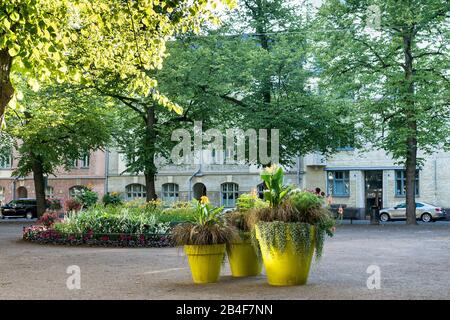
(123, 225)
(45, 235)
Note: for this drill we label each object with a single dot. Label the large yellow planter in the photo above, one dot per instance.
(243, 259)
(287, 268)
(205, 262)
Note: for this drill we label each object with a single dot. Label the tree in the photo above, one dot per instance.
(59, 125)
(257, 69)
(39, 38)
(389, 59)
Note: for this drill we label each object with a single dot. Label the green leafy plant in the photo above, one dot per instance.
(247, 201)
(291, 217)
(207, 228)
(112, 198)
(112, 220)
(276, 191)
(87, 197)
(239, 217)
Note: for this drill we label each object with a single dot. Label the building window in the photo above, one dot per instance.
(135, 191)
(49, 192)
(2, 195)
(338, 183)
(5, 161)
(170, 192)
(76, 191)
(400, 183)
(85, 161)
(230, 192)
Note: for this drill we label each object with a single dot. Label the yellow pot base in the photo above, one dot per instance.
(243, 260)
(287, 268)
(205, 262)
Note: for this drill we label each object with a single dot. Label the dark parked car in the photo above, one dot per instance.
(19, 208)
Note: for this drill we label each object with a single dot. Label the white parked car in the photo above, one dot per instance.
(424, 211)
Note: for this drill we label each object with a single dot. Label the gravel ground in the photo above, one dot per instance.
(414, 264)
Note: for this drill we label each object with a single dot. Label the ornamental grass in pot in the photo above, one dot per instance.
(204, 241)
(290, 230)
(242, 253)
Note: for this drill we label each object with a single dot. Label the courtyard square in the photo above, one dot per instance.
(414, 262)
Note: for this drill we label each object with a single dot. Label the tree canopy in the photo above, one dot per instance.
(38, 38)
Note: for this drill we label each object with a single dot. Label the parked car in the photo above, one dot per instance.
(19, 208)
(424, 211)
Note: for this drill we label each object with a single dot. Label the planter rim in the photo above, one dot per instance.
(205, 249)
(311, 225)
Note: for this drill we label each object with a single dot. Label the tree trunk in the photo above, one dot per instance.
(260, 16)
(6, 88)
(39, 184)
(150, 186)
(411, 140)
(150, 147)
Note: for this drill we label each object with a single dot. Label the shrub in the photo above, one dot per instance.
(208, 227)
(73, 204)
(54, 204)
(112, 198)
(48, 219)
(112, 220)
(247, 201)
(175, 215)
(87, 197)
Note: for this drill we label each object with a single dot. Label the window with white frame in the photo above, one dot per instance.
(170, 192)
(5, 160)
(230, 193)
(76, 191)
(135, 191)
(400, 183)
(49, 192)
(85, 161)
(338, 183)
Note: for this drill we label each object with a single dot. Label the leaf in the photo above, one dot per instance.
(6, 23)
(34, 84)
(14, 50)
(14, 16)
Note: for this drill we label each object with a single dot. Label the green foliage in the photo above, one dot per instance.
(54, 204)
(79, 39)
(175, 215)
(247, 201)
(205, 213)
(273, 178)
(370, 71)
(239, 218)
(208, 227)
(60, 124)
(87, 197)
(112, 220)
(299, 217)
(112, 198)
(305, 202)
(303, 236)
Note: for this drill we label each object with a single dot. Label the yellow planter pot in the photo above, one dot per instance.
(243, 259)
(205, 262)
(287, 268)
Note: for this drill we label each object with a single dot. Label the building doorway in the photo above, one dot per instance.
(199, 190)
(373, 189)
(22, 192)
